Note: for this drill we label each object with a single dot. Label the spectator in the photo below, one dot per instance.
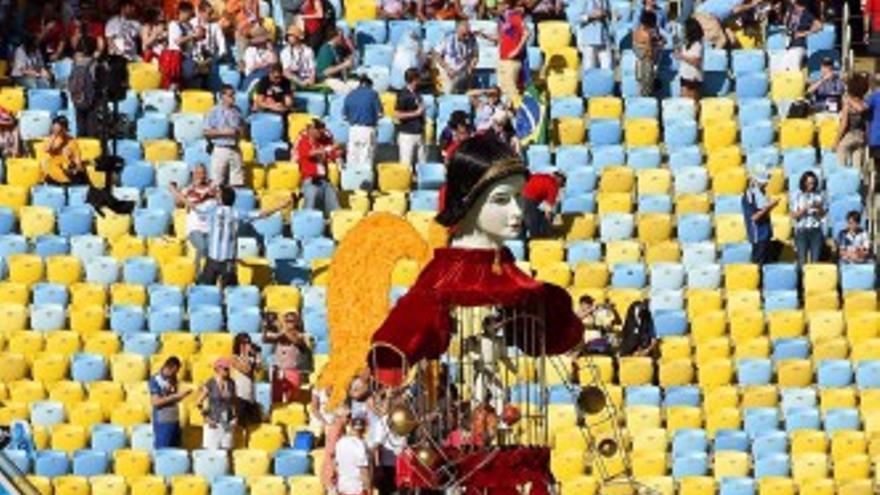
(410, 114)
(873, 115)
(514, 35)
(122, 32)
(458, 128)
(352, 461)
(312, 17)
(714, 15)
(10, 138)
(217, 400)
(540, 194)
(88, 25)
(362, 109)
(756, 208)
(486, 103)
(827, 91)
(259, 57)
(63, 165)
(850, 143)
(871, 20)
(332, 423)
(599, 321)
(853, 243)
(315, 150)
(393, 9)
(242, 17)
(176, 63)
(154, 35)
(199, 198)
(809, 210)
(593, 40)
(690, 57)
(298, 60)
(274, 93)
(333, 62)
(436, 10)
(28, 68)
(81, 86)
(165, 398)
(638, 336)
(645, 45)
(800, 23)
(650, 6)
(208, 51)
(545, 10)
(455, 58)
(471, 9)
(386, 445)
(292, 353)
(245, 364)
(52, 36)
(223, 237)
(223, 127)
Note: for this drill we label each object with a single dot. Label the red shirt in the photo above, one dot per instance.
(541, 188)
(512, 30)
(309, 166)
(310, 7)
(872, 9)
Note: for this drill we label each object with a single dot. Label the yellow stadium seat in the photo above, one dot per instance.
(128, 414)
(640, 418)
(858, 302)
(676, 372)
(617, 179)
(856, 487)
(127, 246)
(567, 465)
(743, 301)
(112, 225)
(731, 181)
(25, 269)
(86, 414)
(14, 293)
(817, 487)
(613, 203)
(746, 326)
(196, 101)
(820, 277)
(712, 349)
(591, 275)
(649, 464)
(641, 132)
(160, 150)
(128, 294)
(795, 372)
(648, 440)
(714, 373)
(723, 158)
(89, 148)
(128, 368)
(683, 417)
(71, 485)
(341, 221)
(63, 342)
(821, 301)
(787, 85)
(86, 320)
(67, 392)
(306, 485)
(730, 228)
(714, 110)
(674, 347)
(216, 343)
(12, 99)
(393, 202)
(833, 398)
(282, 176)
(27, 391)
(809, 467)
(28, 344)
(23, 172)
(359, 10)
(865, 350)
(250, 462)
(557, 273)
(553, 34)
(147, 485)
(757, 347)
(636, 371)
(845, 443)
(697, 485)
(143, 76)
(268, 485)
(692, 203)
(862, 326)
(108, 485)
(109, 395)
(69, 438)
(581, 485)
(720, 134)
(786, 323)
(772, 485)
(63, 269)
(13, 197)
(828, 133)
(281, 297)
(759, 396)
(825, 325)
(654, 181)
(189, 484)
(180, 272)
(707, 323)
(562, 82)
(87, 294)
(544, 252)
(605, 107)
(852, 467)
(14, 316)
(394, 177)
(730, 463)
(626, 251)
(49, 368)
(796, 133)
(570, 130)
(808, 442)
(833, 348)
(624, 298)
(165, 249)
(655, 228)
(267, 437)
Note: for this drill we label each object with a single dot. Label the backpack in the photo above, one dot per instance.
(81, 85)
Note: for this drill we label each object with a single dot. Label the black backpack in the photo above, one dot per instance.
(81, 85)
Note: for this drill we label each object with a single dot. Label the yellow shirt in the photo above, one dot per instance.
(62, 160)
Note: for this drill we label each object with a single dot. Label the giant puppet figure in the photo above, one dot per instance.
(468, 347)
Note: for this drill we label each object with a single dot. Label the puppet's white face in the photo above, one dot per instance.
(500, 215)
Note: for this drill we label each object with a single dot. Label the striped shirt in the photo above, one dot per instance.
(223, 232)
(811, 219)
(221, 117)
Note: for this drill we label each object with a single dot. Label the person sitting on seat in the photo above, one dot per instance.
(10, 138)
(63, 166)
(639, 337)
(853, 244)
(827, 91)
(274, 93)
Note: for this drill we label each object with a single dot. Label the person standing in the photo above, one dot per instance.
(756, 208)
(540, 195)
(245, 364)
(362, 110)
(513, 37)
(210, 50)
(850, 143)
(800, 23)
(258, 58)
(645, 48)
(352, 461)
(122, 32)
(873, 116)
(223, 126)
(198, 198)
(217, 401)
(593, 40)
(456, 57)
(809, 209)
(315, 150)
(690, 57)
(176, 62)
(410, 114)
(291, 351)
(165, 398)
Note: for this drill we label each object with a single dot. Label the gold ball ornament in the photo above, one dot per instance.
(426, 456)
(591, 399)
(402, 421)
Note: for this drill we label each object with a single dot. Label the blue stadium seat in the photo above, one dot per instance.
(772, 465)
(748, 61)
(790, 348)
(757, 420)
(628, 276)
(126, 319)
(597, 82)
(7, 220)
(690, 464)
(688, 156)
(680, 133)
(151, 126)
(757, 134)
(607, 155)
(108, 438)
(843, 182)
(170, 462)
(315, 322)
(139, 175)
(205, 318)
(34, 124)
(12, 244)
(690, 180)
(267, 153)
(868, 374)
(197, 152)
(793, 397)
(734, 485)
(306, 224)
(269, 227)
(857, 277)
(754, 371)
(102, 270)
(566, 106)
(46, 317)
(61, 70)
(802, 418)
(290, 462)
(51, 463)
(46, 413)
(140, 270)
(242, 296)
(643, 157)
(688, 441)
(842, 418)
(142, 438)
(754, 110)
(150, 222)
(317, 248)
(163, 102)
(538, 156)
(666, 299)
(87, 367)
(75, 221)
(424, 201)
(641, 107)
(697, 253)
(90, 462)
(754, 85)
(578, 203)
(616, 226)
(605, 132)
(655, 203)
(165, 295)
(694, 227)
(49, 293)
(266, 128)
(49, 100)
(670, 322)
(50, 245)
(245, 200)
(210, 464)
(735, 440)
(228, 485)
(780, 299)
(769, 442)
(667, 276)
(579, 251)
(161, 200)
(144, 344)
(49, 196)
(572, 157)
(165, 319)
(203, 295)
(780, 276)
(129, 150)
(643, 395)
(682, 395)
(736, 253)
(728, 203)
(430, 175)
(243, 319)
(187, 127)
(172, 171)
(581, 180)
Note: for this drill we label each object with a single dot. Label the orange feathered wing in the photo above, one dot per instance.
(358, 298)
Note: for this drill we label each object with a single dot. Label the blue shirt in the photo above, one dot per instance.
(221, 117)
(223, 232)
(720, 9)
(169, 413)
(874, 119)
(799, 23)
(762, 230)
(362, 107)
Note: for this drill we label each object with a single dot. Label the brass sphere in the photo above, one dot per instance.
(401, 421)
(607, 447)
(591, 399)
(427, 456)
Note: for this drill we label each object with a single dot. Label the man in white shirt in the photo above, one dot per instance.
(387, 445)
(456, 57)
(210, 49)
(353, 461)
(298, 59)
(123, 30)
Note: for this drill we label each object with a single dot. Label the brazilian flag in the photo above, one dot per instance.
(531, 117)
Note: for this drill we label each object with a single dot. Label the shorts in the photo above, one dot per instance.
(216, 438)
(286, 385)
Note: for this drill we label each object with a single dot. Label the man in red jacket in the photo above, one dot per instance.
(540, 195)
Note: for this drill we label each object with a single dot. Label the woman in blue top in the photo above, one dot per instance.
(873, 115)
(808, 212)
